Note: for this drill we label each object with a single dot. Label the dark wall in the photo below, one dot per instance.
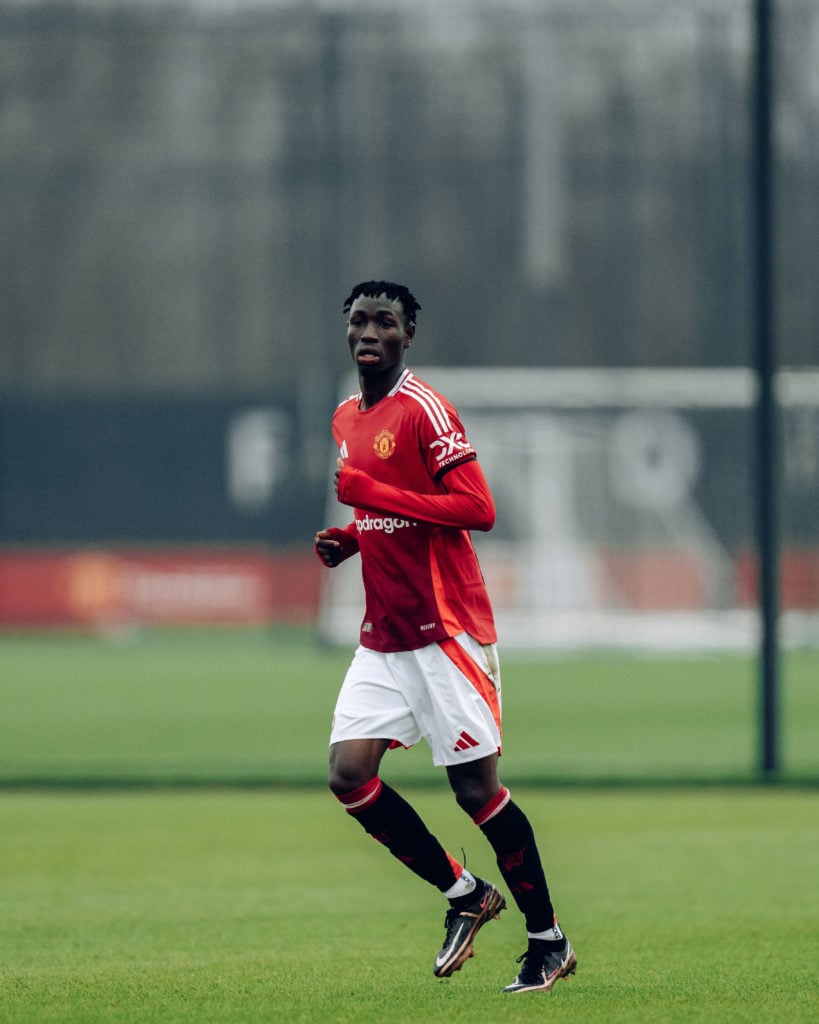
(153, 470)
(187, 192)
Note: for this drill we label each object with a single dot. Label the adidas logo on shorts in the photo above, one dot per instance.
(465, 742)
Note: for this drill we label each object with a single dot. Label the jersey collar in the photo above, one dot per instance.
(397, 386)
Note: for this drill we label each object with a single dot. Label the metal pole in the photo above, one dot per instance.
(766, 433)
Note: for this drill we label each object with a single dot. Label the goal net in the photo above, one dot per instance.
(625, 507)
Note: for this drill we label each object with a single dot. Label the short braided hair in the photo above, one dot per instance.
(372, 289)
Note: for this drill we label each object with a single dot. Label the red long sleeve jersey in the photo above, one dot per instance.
(422, 581)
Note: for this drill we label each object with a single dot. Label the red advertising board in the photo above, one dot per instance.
(106, 587)
(101, 588)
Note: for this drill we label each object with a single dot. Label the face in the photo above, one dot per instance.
(378, 335)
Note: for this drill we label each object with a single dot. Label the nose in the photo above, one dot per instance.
(370, 331)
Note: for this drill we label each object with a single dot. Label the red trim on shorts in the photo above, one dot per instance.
(495, 806)
(473, 672)
(363, 797)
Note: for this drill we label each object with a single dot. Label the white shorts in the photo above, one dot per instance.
(449, 693)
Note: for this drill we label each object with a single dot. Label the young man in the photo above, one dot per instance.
(427, 664)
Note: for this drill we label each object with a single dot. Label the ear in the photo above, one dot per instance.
(409, 334)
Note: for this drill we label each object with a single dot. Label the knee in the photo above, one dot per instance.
(353, 763)
(472, 795)
(346, 776)
(341, 784)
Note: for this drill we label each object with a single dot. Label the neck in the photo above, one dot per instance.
(374, 388)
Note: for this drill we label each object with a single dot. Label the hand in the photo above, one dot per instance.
(328, 548)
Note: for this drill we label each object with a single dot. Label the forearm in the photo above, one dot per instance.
(467, 504)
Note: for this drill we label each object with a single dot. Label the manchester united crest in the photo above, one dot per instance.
(384, 444)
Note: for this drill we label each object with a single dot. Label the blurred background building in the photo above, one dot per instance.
(191, 187)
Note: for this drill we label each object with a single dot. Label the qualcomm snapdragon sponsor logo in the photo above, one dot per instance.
(382, 524)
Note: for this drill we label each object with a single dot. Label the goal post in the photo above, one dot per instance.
(625, 507)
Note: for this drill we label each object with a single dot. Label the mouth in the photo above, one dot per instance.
(367, 357)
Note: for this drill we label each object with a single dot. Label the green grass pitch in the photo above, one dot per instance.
(238, 907)
(169, 854)
(254, 707)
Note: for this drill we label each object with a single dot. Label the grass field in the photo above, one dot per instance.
(255, 707)
(241, 892)
(253, 906)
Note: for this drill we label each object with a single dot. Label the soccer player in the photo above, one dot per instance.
(427, 664)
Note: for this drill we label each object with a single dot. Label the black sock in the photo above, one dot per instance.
(513, 841)
(395, 824)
